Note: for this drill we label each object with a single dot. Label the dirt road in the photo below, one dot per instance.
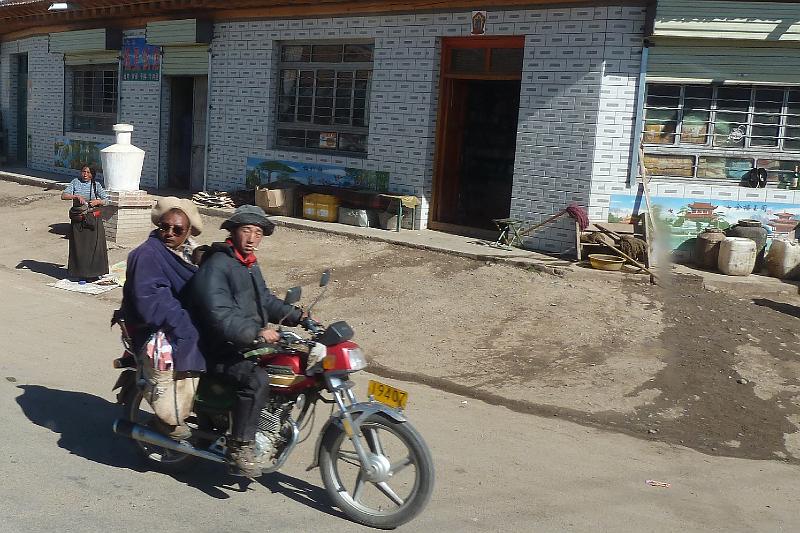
(711, 370)
(496, 470)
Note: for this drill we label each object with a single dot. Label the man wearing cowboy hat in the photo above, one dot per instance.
(233, 307)
(158, 272)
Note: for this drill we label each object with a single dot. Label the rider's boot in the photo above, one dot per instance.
(179, 432)
(243, 457)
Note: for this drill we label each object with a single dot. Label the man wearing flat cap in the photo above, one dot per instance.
(233, 307)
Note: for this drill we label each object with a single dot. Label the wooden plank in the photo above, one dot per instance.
(92, 58)
(761, 21)
(78, 41)
(178, 32)
(185, 60)
(724, 64)
(19, 23)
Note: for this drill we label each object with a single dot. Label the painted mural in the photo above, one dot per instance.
(73, 154)
(684, 218)
(261, 171)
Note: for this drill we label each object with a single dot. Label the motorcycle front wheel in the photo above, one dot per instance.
(139, 412)
(402, 479)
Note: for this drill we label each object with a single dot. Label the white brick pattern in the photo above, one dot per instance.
(575, 123)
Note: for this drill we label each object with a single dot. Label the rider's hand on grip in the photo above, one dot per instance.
(268, 335)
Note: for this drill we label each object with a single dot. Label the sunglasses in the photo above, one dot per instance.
(176, 230)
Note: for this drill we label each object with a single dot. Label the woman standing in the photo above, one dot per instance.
(88, 254)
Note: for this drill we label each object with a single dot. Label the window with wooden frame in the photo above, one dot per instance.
(721, 132)
(94, 98)
(323, 96)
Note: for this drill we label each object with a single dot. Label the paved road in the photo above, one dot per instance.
(63, 469)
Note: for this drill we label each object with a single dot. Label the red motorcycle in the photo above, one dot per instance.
(375, 466)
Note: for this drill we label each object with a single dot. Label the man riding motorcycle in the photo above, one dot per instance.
(232, 307)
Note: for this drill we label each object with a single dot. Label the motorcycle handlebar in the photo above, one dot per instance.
(311, 325)
(290, 337)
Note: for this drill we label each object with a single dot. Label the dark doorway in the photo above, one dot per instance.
(482, 166)
(187, 132)
(199, 113)
(478, 133)
(180, 132)
(22, 110)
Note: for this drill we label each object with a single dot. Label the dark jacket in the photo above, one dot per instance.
(155, 285)
(231, 303)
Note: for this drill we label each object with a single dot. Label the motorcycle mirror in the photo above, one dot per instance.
(293, 295)
(323, 282)
(326, 278)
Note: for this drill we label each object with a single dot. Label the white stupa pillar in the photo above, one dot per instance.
(127, 217)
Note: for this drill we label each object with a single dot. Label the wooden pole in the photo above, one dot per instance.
(626, 256)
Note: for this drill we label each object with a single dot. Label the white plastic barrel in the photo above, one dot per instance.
(783, 259)
(737, 256)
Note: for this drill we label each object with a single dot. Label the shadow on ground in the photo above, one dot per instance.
(91, 437)
(787, 309)
(59, 228)
(65, 413)
(40, 267)
(301, 492)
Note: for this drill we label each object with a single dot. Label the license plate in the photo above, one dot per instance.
(387, 394)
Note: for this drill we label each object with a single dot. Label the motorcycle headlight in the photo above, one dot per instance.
(357, 359)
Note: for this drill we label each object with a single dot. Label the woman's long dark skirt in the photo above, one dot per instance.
(88, 254)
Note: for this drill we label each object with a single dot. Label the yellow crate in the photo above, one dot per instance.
(321, 207)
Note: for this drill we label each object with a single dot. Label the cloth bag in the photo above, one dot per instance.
(169, 393)
(83, 212)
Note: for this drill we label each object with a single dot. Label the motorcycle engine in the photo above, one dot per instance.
(273, 429)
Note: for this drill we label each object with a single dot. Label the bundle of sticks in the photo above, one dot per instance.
(213, 199)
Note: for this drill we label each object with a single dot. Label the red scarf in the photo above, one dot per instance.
(247, 261)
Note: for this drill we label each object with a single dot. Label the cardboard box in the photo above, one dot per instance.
(278, 202)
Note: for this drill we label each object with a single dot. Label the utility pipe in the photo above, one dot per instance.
(638, 126)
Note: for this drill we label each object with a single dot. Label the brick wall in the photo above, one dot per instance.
(615, 124)
(576, 113)
(50, 98)
(404, 94)
(141, 107)
(575, 121)
(574, 59)
(45, 98)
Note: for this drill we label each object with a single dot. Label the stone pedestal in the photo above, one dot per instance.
(127, 217)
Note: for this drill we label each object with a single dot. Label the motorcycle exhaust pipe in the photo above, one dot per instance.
(128, 429)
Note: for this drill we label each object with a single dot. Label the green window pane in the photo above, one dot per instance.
(730, 168)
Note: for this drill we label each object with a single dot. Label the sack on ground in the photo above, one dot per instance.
(169, 393)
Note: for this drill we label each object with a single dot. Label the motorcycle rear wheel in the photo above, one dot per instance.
(138, 411)
(392, 498)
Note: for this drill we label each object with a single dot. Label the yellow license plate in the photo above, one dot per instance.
(387, 394)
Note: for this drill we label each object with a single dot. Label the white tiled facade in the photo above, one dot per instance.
(45, 98)
(579, 84)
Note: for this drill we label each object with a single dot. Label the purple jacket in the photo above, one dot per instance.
(152, 299)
